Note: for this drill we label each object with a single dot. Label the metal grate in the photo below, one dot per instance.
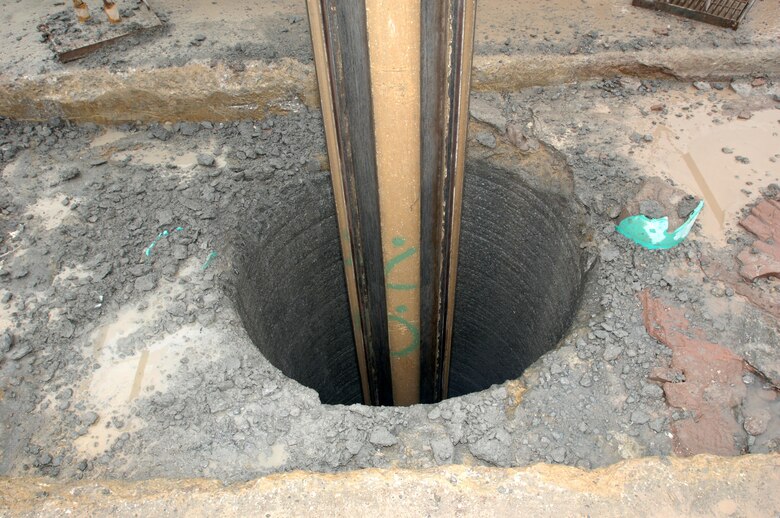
(71, 39)
(726, 13)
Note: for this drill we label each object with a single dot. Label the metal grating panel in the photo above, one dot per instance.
(726, 13)
(71, 39)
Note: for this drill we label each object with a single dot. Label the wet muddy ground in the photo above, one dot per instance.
(124, 356)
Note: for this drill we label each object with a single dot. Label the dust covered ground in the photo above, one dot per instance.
(239, 31)
(123, 356)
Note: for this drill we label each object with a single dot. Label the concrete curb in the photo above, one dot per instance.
(507, 73)
(218, 93)
(697, 486)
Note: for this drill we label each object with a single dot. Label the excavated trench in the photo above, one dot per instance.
(519, 282)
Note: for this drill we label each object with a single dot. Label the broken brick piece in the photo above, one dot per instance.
(764, 220)
(762, 258)
(712, 385)
(718, 270)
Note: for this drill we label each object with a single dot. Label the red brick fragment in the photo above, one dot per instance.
(762, 258)
(712, 388)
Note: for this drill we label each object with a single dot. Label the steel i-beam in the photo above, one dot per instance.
(394, 78)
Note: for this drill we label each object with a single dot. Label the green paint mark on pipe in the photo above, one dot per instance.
(395, 316)
(395, 261)
(401, 287)
(414, 344)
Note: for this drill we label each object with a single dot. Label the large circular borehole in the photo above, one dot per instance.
(519, 281)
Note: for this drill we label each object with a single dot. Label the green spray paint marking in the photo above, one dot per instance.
(348, 247)
(401, 287)
(211, 257)
(161, 235)
(399, 241)
(414, 344)
(395, 261)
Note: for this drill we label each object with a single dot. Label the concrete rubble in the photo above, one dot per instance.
(122, 356)
(85, 304)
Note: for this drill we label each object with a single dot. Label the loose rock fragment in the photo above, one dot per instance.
(442, 449)
(206, 160)
(485, 112)
(486, 138)
(145, 283)
(381, 436)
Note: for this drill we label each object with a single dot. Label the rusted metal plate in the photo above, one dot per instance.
(726, 13)
(71, 39)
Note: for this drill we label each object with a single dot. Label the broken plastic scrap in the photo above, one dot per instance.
(652, 233)
(164, 233)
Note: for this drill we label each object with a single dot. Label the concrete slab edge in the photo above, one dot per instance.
(698, 486)
(200, 91)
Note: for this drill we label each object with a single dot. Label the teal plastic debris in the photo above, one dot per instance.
(161, 235)
(210, 258)
(652, 233)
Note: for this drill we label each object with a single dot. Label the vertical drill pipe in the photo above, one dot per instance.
(463, 26)
(331, 137)
(340, 36)
(346, 43)
(447, 32)
(433, 114)
(394, 54)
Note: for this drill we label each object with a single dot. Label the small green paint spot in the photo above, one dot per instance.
(398, 241)
(161, 235)
(401, 309)
(348, 262)
(212, 255)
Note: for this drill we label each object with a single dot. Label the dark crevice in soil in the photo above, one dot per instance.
(520, 278)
